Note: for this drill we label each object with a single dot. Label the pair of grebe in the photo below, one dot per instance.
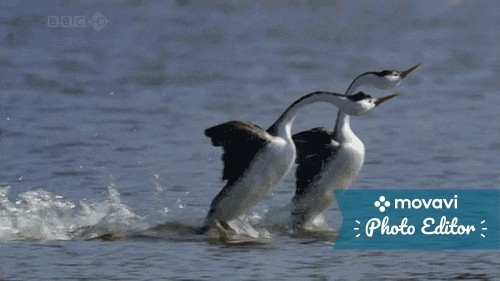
(255, 159)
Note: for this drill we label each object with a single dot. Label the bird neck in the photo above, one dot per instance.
(368, 78)
(283, 126)
(342, 131)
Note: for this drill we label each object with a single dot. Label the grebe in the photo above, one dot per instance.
(331, 160)
(255, 159)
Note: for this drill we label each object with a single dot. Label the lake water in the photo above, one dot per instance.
(103, 107)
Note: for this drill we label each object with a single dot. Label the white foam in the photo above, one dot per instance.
(41, 215)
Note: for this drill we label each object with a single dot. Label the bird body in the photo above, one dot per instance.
(337, 168)
(255, 159)
(266, 168)
(330, 160)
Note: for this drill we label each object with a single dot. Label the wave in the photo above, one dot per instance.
(41, 215)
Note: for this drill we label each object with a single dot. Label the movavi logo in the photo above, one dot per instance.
(419, 219)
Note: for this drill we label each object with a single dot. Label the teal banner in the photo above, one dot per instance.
(419, 219)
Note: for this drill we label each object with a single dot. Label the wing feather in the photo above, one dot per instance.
(314, 148)
(241, 141)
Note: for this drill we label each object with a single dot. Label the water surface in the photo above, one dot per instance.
(102, 131)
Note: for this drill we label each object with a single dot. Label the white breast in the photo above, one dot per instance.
(339, 173)
(267, 169)
(344, 168)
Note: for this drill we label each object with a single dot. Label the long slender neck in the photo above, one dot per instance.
(342, 130)
(282, 126)
(367, 78)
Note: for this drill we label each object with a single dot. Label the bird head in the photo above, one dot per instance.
(361, 103)
(387, 79)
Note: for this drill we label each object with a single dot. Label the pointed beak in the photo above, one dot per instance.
(386, 98)
(406, 72)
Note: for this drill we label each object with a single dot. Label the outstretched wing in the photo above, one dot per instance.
(314, 148)
(241, 141)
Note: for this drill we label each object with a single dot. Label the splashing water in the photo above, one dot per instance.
(36, 214)
(41, 215)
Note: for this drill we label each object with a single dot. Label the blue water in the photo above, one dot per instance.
(101, 129)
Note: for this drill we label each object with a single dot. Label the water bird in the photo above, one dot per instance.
(256, 159)
(332, 159)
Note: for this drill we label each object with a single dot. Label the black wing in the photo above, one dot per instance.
(314, 148)
(241, 141)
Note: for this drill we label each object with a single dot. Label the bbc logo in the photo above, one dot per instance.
(67, 21)
(97, 21)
